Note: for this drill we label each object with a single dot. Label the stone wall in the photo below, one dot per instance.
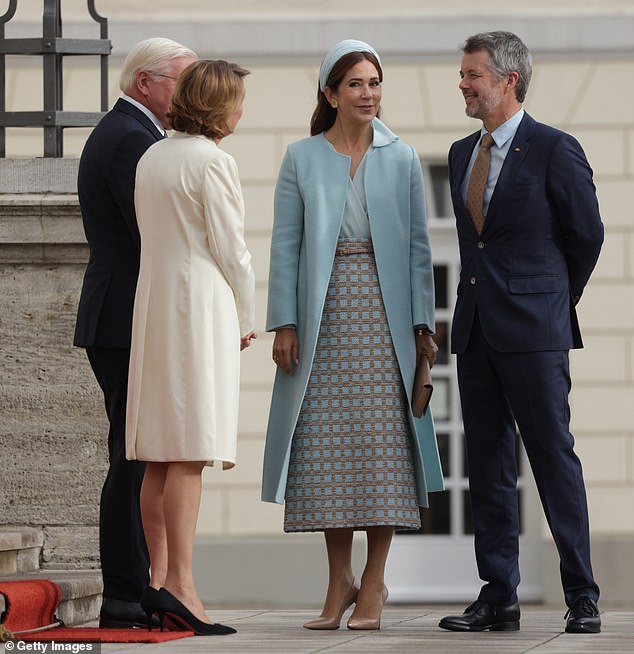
(52, 422)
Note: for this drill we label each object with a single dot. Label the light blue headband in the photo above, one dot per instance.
(342, 48)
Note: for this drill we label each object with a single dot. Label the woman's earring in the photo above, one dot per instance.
(333, 104)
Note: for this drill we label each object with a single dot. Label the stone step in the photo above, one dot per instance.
(20, 549)
(81, 593)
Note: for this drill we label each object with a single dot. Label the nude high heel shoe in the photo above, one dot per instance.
(325, 622)
(368, 623)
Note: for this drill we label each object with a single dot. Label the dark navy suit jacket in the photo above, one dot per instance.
(540, 242)
(107, 170)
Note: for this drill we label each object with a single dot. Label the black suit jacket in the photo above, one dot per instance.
(540, 242)
(107, 170)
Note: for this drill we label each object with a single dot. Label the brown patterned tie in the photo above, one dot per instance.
(478, 182)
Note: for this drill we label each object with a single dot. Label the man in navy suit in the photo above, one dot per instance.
(522, 274)
(104, 319)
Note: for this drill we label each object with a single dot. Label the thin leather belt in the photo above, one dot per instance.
(361, 248)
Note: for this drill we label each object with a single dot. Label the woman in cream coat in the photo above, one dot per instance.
(352, 180)
(193, 313)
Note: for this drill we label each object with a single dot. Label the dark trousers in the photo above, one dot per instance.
(124, 557)
(498, 390)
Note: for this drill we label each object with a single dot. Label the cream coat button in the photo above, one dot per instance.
(480, 245)
(472, 281)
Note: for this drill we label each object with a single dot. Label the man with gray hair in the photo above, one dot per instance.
(530, 233)
(104, 319)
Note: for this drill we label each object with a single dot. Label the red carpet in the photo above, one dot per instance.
(32, 604)
(96, 635)
(29, 604)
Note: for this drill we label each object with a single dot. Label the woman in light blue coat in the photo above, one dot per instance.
(351, 299)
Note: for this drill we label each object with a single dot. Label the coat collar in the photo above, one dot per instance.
(126, 107)
(383, 135)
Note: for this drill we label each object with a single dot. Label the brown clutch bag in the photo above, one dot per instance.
(423, 388)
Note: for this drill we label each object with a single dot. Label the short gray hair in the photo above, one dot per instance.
(508, 54)
(153, 56)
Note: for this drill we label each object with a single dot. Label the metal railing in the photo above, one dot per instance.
(52, 47)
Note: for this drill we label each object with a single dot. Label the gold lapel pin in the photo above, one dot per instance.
(517, 150)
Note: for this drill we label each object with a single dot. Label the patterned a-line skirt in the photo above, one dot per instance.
(351, 463)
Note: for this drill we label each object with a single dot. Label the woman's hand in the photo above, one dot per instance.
(245, 341)
(426, 346)
(286, 349)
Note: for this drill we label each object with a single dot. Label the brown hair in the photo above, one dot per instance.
(324, 115)
(206, 94)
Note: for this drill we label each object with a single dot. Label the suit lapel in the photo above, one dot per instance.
(461, 157)
(464, 157)
(514, 158)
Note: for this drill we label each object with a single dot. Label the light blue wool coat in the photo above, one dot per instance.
(310, 198)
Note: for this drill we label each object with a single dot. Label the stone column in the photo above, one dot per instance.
(52, 423)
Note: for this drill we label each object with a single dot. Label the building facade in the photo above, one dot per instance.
(583, 67)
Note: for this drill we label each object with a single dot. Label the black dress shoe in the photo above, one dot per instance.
(481, 616)
(119, 614)
(583, 617)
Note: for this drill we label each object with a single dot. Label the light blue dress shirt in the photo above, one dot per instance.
(502, 139)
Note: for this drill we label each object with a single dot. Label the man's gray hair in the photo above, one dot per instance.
(508, 54)
(152, 56)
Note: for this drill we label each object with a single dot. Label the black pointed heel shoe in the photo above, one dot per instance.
(149, 604)
(180, 615)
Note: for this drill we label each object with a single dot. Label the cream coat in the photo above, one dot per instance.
(194, 299)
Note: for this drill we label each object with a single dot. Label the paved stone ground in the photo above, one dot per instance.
(404, 629)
